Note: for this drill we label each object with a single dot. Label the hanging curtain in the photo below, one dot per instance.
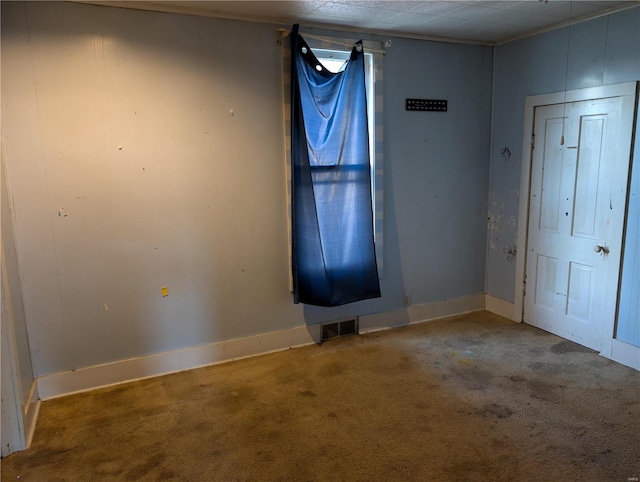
(333, 258)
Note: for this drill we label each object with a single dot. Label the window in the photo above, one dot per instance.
(332, 58)
(334, 61)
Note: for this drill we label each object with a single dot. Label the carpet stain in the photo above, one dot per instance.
(566, 346)
(463, 343)
(47, 456)
(108, 467)
(308, 393)
(554, 368)
(404, 362)
(203, 426)
(332, 369)
(140, 470)
(167, 475)
(473, 377)
(545, 391)
(499, 445)
(496, 409)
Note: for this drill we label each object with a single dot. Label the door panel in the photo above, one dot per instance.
(552, 175)
(577, 202)
(587, 179)
(580, 289)
(546, 281)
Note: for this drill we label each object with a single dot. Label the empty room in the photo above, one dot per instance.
(320, 240)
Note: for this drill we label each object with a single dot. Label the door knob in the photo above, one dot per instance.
(601, 249)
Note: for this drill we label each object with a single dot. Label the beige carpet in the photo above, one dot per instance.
(469, 398)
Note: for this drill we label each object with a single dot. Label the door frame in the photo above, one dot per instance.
(531, 102)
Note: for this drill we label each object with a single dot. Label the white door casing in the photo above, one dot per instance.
(572, 289)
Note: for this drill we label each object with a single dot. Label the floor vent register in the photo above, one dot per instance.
(340, 328)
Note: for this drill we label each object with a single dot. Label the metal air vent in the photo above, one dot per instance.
(340, 328)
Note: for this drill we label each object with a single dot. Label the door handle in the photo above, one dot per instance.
(601, 249)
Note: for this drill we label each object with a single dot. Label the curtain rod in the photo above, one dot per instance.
(284, 32)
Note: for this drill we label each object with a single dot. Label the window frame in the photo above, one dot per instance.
(332, 58)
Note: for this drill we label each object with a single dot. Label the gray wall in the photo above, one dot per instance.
(129, 174)
(602, 51)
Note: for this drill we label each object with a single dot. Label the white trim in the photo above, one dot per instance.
(500, 307)
(531, 102)
(608, 327)
(420, 313)
(99, 376)
(12, 420)
(31, 411)
(624, 353)
(12, 415)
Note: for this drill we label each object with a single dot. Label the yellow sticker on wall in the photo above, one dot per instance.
(165, 291)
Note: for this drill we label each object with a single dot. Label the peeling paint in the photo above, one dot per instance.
(503, 229)
(510, 253)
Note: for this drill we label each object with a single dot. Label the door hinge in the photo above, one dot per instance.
(533, 140)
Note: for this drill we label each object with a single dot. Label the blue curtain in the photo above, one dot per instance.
(334, 259)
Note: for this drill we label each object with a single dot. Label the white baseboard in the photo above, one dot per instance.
(624, 353)
(99, 376)
(420, 313)
(500, 307)
(31, 411)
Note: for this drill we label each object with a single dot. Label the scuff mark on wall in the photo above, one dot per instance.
(503, 229)
(510, 253)
(505, 153)
(493, 225)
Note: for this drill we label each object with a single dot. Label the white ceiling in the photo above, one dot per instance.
(480, 21)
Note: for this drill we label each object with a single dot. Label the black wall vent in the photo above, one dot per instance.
(340, 328)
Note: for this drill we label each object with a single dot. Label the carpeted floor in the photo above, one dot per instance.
(469, 398)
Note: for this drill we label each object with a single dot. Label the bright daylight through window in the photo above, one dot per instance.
(334, 61)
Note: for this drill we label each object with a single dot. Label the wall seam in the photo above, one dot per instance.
(46, 177)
